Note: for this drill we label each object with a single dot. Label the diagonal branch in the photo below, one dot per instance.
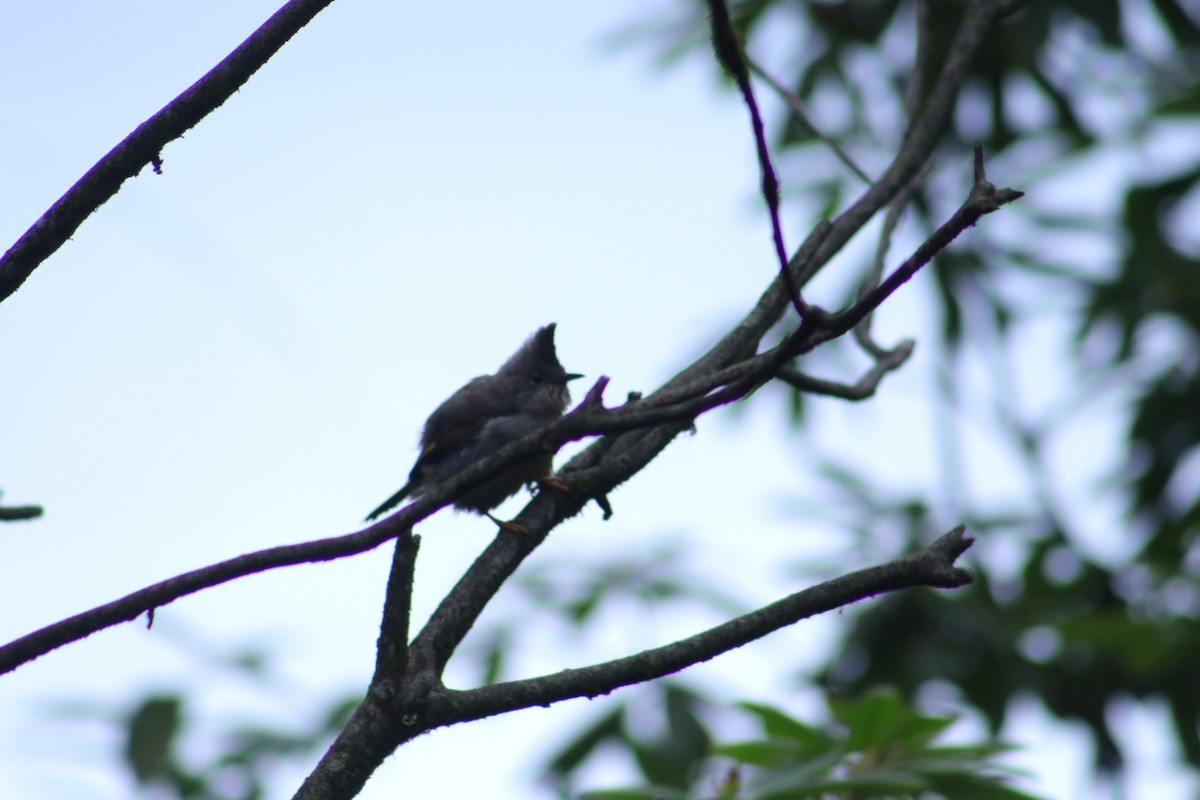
(386, 719)
(125, 609)
(983, 199)
(806, 122)
(657, 419)
(667, 412)
(932, 566)
(144, 146)
(733, 59)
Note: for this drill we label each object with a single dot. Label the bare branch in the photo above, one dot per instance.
(802, 117)
(729, 53)
(144, 146)
(922, 135)
(38, 643)
(887, 361)
(932, 566)
(862, 331)
(983, 199)
(19, 513)
(391, 651)
(671, 409)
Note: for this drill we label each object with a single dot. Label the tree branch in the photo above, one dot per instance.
(733, 59)
(806, 122)
(391, 651)
(983, 199)
(932, 566)
(669, 411)
(385, 720)
(887, 361)
(144, 146)
(129, 607)
(19, 513)
(923, 133)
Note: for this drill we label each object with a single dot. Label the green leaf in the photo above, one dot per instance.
(766, 753)
(150, 740)
(779, 725)
(643, 793)
(802, 784)
(883, 719)
(609, 726)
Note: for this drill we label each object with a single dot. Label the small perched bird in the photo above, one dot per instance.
(526, 393)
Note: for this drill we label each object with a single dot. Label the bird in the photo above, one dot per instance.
(526, 393)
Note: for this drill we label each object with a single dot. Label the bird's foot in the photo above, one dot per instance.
(511, 526)
(553, 483)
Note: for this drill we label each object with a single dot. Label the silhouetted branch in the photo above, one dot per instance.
(131, 606)
(19, 513)
(887, 361)
(144, 146)
(802, 117)
(983, 199)
(385, 720)
(391, 651)
(729, 53)
(932, 566)
(675, 406)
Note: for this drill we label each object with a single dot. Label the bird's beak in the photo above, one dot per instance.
(570, 376)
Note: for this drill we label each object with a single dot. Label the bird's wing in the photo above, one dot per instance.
(459, 421)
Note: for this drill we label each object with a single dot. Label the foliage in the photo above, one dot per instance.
(1115, 266)
(241, 754)
(875, 747)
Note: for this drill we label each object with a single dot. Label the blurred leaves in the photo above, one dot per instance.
(668, 758)
(873, 747)
(1080, 98)
(173, 750)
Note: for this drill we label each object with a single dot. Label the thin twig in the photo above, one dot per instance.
(891, 219)
(729, 53)
(806, 122)
(887, 361)
(144, 146)
(983, 199)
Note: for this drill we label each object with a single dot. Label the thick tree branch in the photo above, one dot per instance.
(144, 146)
(391, 651)
(388, 718)
(932, 566)
(669, 411)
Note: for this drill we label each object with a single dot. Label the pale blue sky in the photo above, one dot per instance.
(239, 353)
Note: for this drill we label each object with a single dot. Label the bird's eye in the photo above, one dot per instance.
(536, 378)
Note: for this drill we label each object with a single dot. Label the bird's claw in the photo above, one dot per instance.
(554, 484)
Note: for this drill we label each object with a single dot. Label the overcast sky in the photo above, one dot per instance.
(239, 353)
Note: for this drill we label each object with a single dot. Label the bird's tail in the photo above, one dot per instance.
(391, 502)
